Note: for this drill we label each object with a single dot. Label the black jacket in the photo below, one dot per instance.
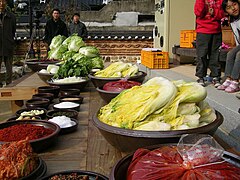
(78, 28)
(54, 28)
(7, 33)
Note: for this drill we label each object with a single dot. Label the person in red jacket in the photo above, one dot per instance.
(209, 38)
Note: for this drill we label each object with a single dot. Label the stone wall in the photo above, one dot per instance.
(111, 50)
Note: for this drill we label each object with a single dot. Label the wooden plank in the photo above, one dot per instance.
(17, 93)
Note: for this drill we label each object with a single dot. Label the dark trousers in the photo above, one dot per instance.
(8, 63)
(207, 46)
(232, 68)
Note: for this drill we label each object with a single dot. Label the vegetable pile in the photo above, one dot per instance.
(118, 86)
(17, 160)
(78, 59)
(118, 69)
(166, 163)
(157, 105)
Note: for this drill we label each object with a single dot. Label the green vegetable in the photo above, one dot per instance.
(75, 43)
(57, 41)
(97, 63)
(57, 53)
(68, 55)
(68, 40)
(89, 51)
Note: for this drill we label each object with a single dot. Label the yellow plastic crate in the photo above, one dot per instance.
(187, 37)
(155, 59)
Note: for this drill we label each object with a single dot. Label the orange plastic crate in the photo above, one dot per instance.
(155, 59)
(187, 37)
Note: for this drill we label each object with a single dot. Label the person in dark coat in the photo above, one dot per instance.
(7, 34)
(55, 26)
(78, 27)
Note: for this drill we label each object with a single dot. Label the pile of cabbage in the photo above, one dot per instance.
(118, 69)
(74, 48)
(158, 105)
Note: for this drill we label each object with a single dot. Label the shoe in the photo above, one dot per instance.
(224, 85)
(216, 82)
(238, 95)
(201, 81)
(233, 87)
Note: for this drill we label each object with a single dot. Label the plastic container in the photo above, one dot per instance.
(155, 59)
(187, 37)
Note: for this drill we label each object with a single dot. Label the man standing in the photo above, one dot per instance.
(209, 38)
(7, 33)
(78, 27)
(55, 26)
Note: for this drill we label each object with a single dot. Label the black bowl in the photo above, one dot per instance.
(38, 103)
(92, 175)
(71, 98)
(119, 170)
(49, 89)
(75, 85)
(107, 96)
(70, 129)
(64, 112)
(48, 96)
(40, 144)
(67, 92)
(39, 172)
(100, 81)
(128, 140)
(33, 64)
(45, 76)
(43, 116)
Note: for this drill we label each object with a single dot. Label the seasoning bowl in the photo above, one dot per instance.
(39, 144)
(37, 103)
(62, 112)
(90, 174)
(66, 105)
(48, 96)
(71, 98)
(100, 81)
(49, 89)
(42, 116)
(67, 92)
(119, 170)
(39, 172)
(75, 85)
(127, 140)
(107, 96)
(45, 76)
(70, 129)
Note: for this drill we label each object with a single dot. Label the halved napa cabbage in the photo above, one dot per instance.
(132, 106)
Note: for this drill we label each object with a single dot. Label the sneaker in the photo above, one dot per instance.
(201, 81)
(216, 82)
(233, 87)
(224, 85)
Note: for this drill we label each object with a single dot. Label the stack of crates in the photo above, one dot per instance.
(154, 58)
(187, 37)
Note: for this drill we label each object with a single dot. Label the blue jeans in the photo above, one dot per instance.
(232, 68)
(207, 47)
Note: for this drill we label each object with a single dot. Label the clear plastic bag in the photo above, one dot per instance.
(199, 150)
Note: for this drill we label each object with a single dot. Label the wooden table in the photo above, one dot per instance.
(85, 149)
(21, 89)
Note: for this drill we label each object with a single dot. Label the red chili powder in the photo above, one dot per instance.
(23, 131)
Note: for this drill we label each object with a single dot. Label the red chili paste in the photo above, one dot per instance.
(22, 131)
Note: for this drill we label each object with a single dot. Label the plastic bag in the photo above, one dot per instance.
(199, 149)
(198, 161)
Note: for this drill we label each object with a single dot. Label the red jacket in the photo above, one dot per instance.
(207, 23)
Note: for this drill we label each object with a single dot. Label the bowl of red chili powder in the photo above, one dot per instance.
(41, 134)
